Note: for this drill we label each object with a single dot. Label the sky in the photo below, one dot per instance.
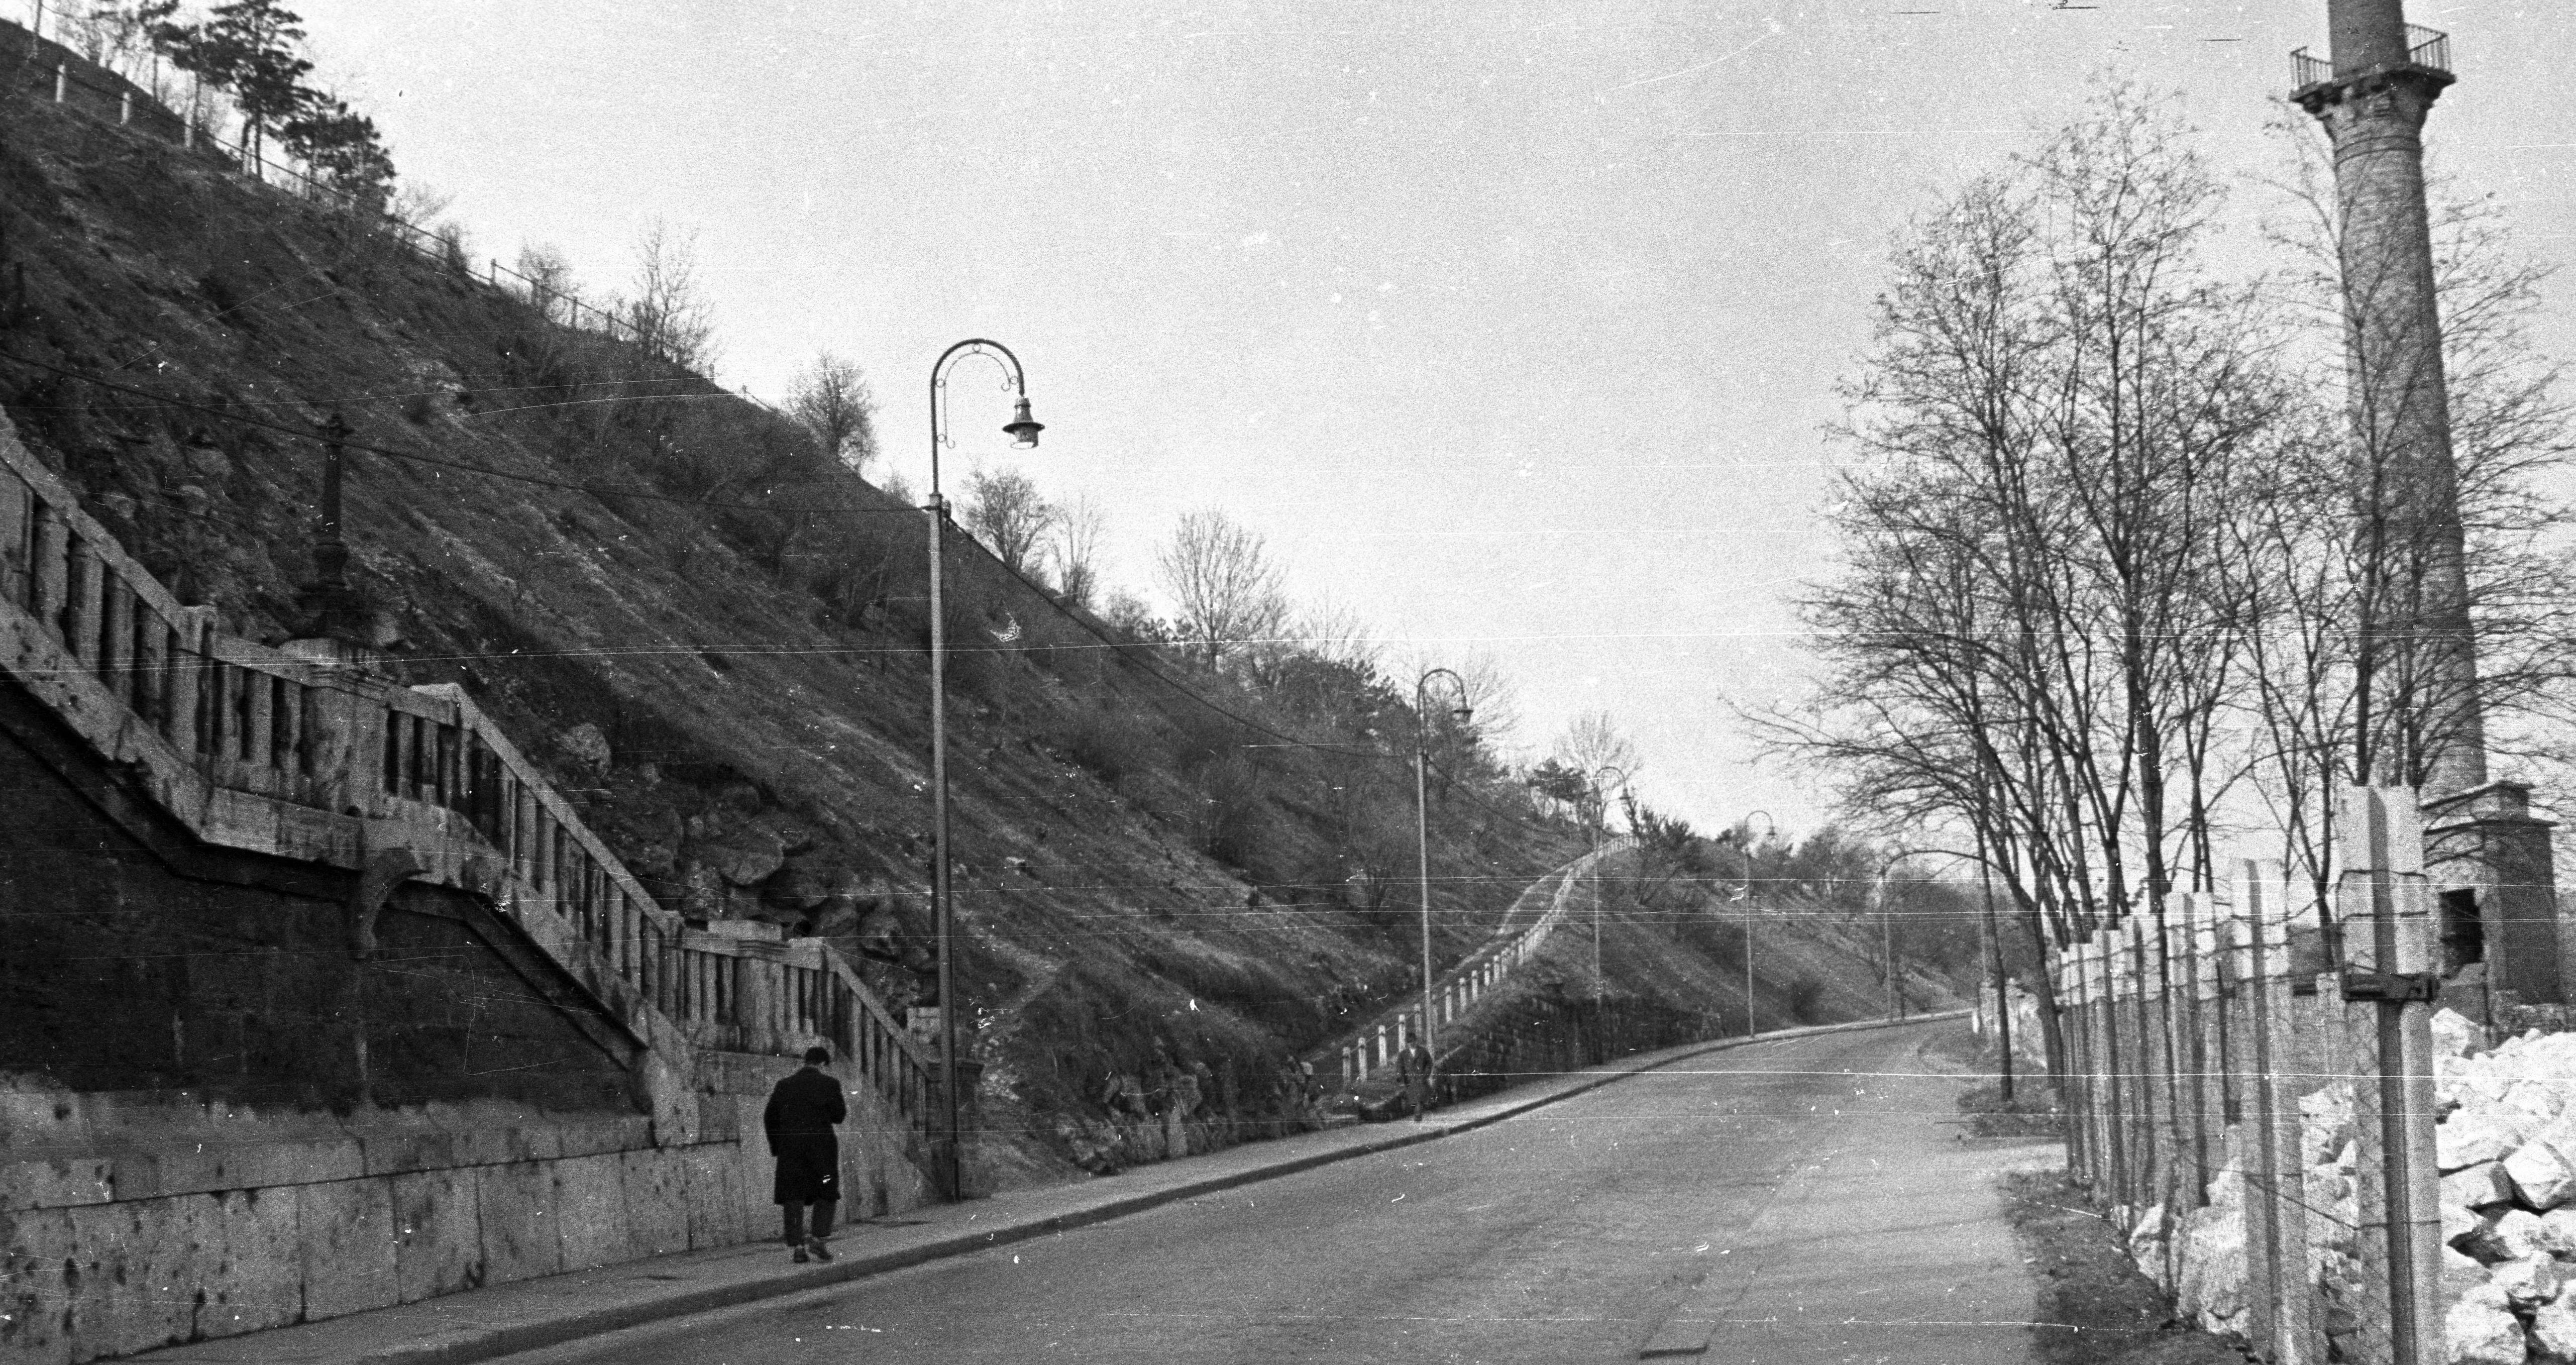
(1515, 328)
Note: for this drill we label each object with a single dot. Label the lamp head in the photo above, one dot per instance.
(1464, 713)
(1022, 428)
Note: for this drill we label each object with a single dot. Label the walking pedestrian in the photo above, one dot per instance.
(798, 1120)
(1415, 1065)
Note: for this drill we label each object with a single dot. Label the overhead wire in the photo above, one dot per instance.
(637, 491)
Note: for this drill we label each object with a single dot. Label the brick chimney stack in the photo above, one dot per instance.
(2503, 939)
(2427, 728)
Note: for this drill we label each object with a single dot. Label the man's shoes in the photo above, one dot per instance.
(801, 1257)
(821, 1252)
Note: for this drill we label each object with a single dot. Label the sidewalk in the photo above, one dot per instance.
(525, 1315)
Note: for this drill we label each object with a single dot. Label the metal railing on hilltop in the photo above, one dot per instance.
(61, 76)
(574, 312)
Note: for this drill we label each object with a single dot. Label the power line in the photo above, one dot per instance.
(539, 480)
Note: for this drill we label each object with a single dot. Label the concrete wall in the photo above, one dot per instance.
(881, 1160)
(215, 1117)
(233, 976)
(136, 1219)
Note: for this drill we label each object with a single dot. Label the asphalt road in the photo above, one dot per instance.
(1793, 1202)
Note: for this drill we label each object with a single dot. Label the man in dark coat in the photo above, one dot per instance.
(1417, 1068)
(799, 1123)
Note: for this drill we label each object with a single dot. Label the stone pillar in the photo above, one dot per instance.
(2486, 842)
(347, 741)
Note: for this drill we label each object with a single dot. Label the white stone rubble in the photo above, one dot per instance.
(2506, 1145)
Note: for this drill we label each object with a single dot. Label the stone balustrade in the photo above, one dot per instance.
(312, 758)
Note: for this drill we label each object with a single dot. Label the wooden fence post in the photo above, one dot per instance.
(2385, 906)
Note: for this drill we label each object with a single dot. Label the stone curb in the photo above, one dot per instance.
(576, 1323)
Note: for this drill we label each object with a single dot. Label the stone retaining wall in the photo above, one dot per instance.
(136, 1219)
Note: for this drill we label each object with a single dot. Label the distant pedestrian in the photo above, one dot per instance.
(799, 1123)
(1415, 1064)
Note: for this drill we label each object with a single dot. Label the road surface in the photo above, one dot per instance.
(1795, 1202)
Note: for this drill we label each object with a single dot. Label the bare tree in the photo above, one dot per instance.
(1496, 701)
(2037, 632)
(1130, 613)
(549, 275)
(107, 33)
(1009, 515)
(1593, 740)
(1334, 633)
(1592, 745)
(670, 312)
(419, 203)
(1224, 586)
(832, 398)
(1080, 526)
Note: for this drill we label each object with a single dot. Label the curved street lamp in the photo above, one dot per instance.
(1422, 825)
(1769, 831)
(1598, 825)
(1023, 431)
(1886, 931)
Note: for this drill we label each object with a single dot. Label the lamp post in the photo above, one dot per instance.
(1887, 931)
(1023, 431)
(1599, 822)
(1769, 831)
(1886, 934)
(1422, 825)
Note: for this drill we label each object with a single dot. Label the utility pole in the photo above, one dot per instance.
(1422, 825)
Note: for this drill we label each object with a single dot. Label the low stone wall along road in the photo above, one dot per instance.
(1805, 1200)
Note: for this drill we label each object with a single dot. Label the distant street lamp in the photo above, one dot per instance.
(1599, 822)
(1422, 824)
(1769, 831)
(1023, 431)
(1886, 933)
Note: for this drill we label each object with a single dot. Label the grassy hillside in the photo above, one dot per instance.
(716, 639)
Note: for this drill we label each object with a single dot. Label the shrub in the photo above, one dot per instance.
(1112, 744)
(1229, 824)
(1806, 993)
(1722, 940)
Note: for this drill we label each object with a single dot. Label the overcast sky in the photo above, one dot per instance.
(1514, 326)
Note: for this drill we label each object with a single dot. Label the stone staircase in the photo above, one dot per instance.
(1363, 1063)
(349, 787)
